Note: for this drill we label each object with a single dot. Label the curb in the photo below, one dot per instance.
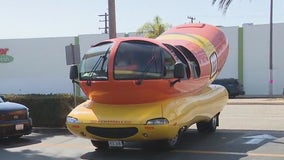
(256, 101)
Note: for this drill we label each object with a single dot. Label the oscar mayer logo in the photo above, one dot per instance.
(4, 58)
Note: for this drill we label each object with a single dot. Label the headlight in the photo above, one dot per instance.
(157, 121)
(72, 120)
(28, 113)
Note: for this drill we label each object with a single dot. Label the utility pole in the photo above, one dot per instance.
(112, 21)
(270, 51)
(191, 19)
(105, 21)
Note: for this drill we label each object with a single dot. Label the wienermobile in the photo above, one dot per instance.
(142, 89)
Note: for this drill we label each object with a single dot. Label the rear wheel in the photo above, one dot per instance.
(208, 127)
(100, 145)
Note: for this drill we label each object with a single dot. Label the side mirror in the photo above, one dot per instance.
(179, 70)
(73, 74)
(179, 73)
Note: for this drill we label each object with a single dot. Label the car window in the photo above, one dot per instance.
(142, 60)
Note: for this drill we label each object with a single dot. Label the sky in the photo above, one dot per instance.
(61, 18)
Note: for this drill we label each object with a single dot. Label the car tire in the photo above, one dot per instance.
(171, 144)
(208, 127)
(100, 145)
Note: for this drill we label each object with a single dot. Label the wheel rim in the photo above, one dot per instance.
(214, 122)
(173, 141)
(176, 139)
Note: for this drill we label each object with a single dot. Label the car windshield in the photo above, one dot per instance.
(95, 61)
(142, 60)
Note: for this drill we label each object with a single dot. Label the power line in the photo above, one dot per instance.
(105, 20)
(191, 19)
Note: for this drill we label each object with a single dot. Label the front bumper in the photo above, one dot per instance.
(123, 132)
(15, 128)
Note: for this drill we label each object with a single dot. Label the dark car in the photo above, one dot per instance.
(14, 120)
(233, 86)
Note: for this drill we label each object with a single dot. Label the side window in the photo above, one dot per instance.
(94, 65)
(214, 64)
(169, 64)
(138, 60)
(193, 61)
(193, 65)
(181, 57)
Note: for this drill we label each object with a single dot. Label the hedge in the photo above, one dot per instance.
(47, 110)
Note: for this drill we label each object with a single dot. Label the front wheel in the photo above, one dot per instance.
(100, 145)
(208, 127)
(173, 143)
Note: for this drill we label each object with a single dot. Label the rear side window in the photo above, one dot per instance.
(181, 57)
(193, 61)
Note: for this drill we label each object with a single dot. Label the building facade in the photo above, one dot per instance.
(38, 65)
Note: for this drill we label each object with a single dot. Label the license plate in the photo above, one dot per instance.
(19, 127)
(115, 143)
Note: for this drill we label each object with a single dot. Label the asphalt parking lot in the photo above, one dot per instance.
(249, 129)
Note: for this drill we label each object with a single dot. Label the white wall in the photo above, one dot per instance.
(230, 69)
(90, 39)
(39, 66)
(256, 49)
(278, 58)
(256, 59)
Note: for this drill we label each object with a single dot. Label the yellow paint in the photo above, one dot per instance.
(200, 41)
(179, 111)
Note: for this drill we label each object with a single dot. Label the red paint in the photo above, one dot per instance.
(112, 91)
(3, 51)
(149, 128)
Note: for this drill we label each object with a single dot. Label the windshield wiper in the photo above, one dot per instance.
(92, 71)
(97, 64)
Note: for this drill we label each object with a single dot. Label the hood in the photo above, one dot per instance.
(91, 112)
(10, 106)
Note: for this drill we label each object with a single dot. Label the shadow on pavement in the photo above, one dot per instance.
(36, 137)
(224, 144)
(29, 155)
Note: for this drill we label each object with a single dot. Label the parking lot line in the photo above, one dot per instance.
(251, 154)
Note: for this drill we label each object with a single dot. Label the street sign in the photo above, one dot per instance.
(72, 54)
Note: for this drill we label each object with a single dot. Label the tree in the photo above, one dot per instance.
(154, 29)
(223, 4)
